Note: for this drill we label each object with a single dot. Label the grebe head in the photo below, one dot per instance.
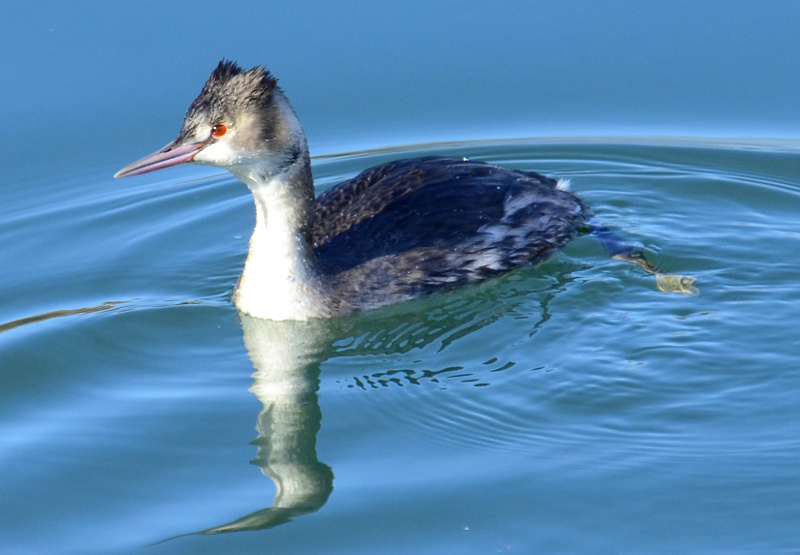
(241, 121)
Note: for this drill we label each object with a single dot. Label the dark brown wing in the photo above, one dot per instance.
(428, 212)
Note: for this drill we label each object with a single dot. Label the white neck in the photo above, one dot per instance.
(281, 278)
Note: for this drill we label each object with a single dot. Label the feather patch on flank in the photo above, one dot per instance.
(563, 185)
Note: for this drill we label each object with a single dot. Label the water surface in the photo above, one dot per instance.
(571, 407)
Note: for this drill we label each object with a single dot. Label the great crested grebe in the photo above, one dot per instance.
(394, 232)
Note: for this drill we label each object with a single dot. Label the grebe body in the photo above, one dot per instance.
(394, 232)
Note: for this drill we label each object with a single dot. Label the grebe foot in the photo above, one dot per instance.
(618, 249)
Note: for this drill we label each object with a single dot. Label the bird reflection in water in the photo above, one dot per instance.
(286, 359)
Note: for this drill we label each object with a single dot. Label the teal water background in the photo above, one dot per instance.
(568, 408)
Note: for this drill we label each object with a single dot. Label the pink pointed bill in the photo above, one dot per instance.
(170, 155)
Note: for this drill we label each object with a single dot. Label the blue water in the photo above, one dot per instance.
(571, 407)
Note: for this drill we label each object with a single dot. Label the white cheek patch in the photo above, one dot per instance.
(218, 153)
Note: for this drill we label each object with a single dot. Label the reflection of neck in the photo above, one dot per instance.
(285, 356)
(286, 382)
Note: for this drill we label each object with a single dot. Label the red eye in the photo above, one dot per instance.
(219, 130)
